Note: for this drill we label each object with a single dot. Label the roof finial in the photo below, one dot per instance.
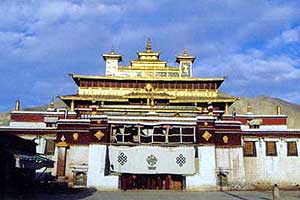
(148, 46)
(249, 109)
(185, 53)
(112, 50)
(52, 103)
(51, 106)
(18, 105)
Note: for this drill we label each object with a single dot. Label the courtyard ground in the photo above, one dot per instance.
(92, 194)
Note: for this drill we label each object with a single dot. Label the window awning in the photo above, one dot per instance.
(32, 161)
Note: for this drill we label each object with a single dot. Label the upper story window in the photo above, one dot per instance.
(271, 148)
(292, 149)
(254, 126)
(147, 134)
(254, 123)
(249, 149)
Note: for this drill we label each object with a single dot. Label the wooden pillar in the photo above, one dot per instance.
(61, 161)
(72, 107)
(152, 102)
(152, 134)
(194, 133)
(180, 131)
(226, 108)
(139, 134)
(167, 134)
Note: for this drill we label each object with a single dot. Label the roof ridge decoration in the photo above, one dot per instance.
(148, 46)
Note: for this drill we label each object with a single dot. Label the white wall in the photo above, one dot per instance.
(230, 161)
(264, 171)
(205, 178)
(96, 163)
(76, 155)
(27, 124)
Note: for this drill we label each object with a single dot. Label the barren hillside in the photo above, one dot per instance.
(267, 105)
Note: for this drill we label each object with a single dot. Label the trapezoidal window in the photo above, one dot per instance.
(292, 149)
(249, 149)
(271, 149)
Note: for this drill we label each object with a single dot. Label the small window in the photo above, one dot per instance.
(50, 147)
(271, 149)
(255, 126)
(292, 149)
(249, 149)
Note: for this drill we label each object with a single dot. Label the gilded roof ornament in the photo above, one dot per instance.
(52, 103)
(185, 52)
(112, 51)
(148, 87)
(148, 46)
(18, 105)
(185, 56)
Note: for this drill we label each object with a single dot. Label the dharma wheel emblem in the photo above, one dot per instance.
(225, 139)
(151, 160)
(75, 136)
(206, 135)
(148, 87)
(99, 135)
(180, 160)
(122, 158)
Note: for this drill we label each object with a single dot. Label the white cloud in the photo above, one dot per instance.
(286, 37)
(250, 74)
(47, 39)
(292, 96)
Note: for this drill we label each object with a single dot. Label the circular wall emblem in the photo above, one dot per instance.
(151, 160)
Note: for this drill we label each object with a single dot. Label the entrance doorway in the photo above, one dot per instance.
(152, 182)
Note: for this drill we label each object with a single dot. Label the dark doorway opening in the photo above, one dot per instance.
(152, 182)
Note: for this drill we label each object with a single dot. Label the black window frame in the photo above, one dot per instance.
(253, 154)
(275, 149)
(288, 148)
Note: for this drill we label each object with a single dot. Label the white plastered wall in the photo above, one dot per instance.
(96, 178)
(265, 171)
(205, 178)
(230, 161)
(76, 155)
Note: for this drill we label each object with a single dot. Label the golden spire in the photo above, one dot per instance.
(17, 107)
(52, 104)
(148, 46)
(112, 51)
(249, 109)
(278, 110)
(185, 53)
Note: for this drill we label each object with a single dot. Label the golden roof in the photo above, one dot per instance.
(125, 98)
(120, 78)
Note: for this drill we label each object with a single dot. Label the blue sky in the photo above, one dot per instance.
(255, 43)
